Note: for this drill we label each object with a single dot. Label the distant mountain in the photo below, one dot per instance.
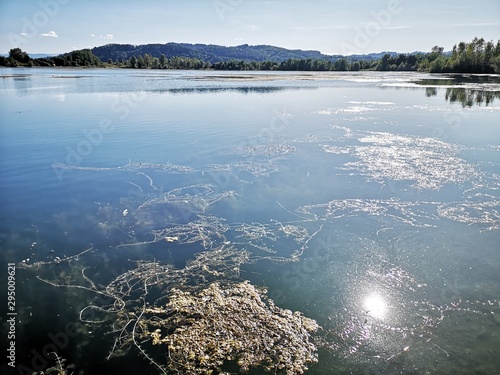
(211, 53)
(214, 53)
(34, 55)
(42, 55)
(371, 56)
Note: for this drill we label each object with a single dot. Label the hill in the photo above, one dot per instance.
(207, 52)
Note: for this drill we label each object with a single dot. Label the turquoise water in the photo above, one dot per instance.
(368, 201)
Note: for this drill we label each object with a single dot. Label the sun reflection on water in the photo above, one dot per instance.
(375, 306)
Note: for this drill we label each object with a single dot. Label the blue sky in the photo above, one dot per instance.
(330, 26)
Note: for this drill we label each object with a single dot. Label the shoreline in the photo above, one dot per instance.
(240, 76)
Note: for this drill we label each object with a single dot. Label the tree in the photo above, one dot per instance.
(435, 53)
(341, 65)
(133, 62)
(437, 65)
(488, 52)
(12, 62)
(140, 62)
(163, 61)
(156, 63)
(495, 64)
(18, 55)
(355, 66)
(384, 62)
(148, 60)
(437, 50)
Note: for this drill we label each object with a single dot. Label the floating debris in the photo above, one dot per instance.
(202, 331)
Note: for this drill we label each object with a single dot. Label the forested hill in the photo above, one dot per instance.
(209, 53)
(478, 56)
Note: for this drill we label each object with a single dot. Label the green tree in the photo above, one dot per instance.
(12, 62)
(133, 62)
(383, 64)
(355, 66)
(437, 50)
(156, 63)
(163, 61)
(341, 65)
(495, 64)
(267, 65)
(437, 66)
(148, 60)
(140, 62)
(18, 55)
(488, 53)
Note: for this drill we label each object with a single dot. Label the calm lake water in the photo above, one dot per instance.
(370, 202)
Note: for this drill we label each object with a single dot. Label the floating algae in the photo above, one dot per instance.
(235, 322)
(131, 166)
(61, 367)
(200, 317)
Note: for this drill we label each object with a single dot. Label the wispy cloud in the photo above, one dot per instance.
(346, 27)
(396, 27)
(100, 36)
(50, 34)
(475, 24)
(322, 28)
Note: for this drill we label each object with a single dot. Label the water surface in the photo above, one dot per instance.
(368, 201)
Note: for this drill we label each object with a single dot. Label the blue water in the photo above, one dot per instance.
(395, 187)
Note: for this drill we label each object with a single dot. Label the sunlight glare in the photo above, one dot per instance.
(375, 306)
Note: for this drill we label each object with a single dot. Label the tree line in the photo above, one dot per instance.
(477, 56)
(79, 58)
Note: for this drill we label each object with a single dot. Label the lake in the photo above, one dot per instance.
(368, 201)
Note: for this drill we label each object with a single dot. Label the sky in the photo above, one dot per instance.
(330, 26)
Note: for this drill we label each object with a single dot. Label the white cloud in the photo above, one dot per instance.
(51, 34)
(100, 36)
